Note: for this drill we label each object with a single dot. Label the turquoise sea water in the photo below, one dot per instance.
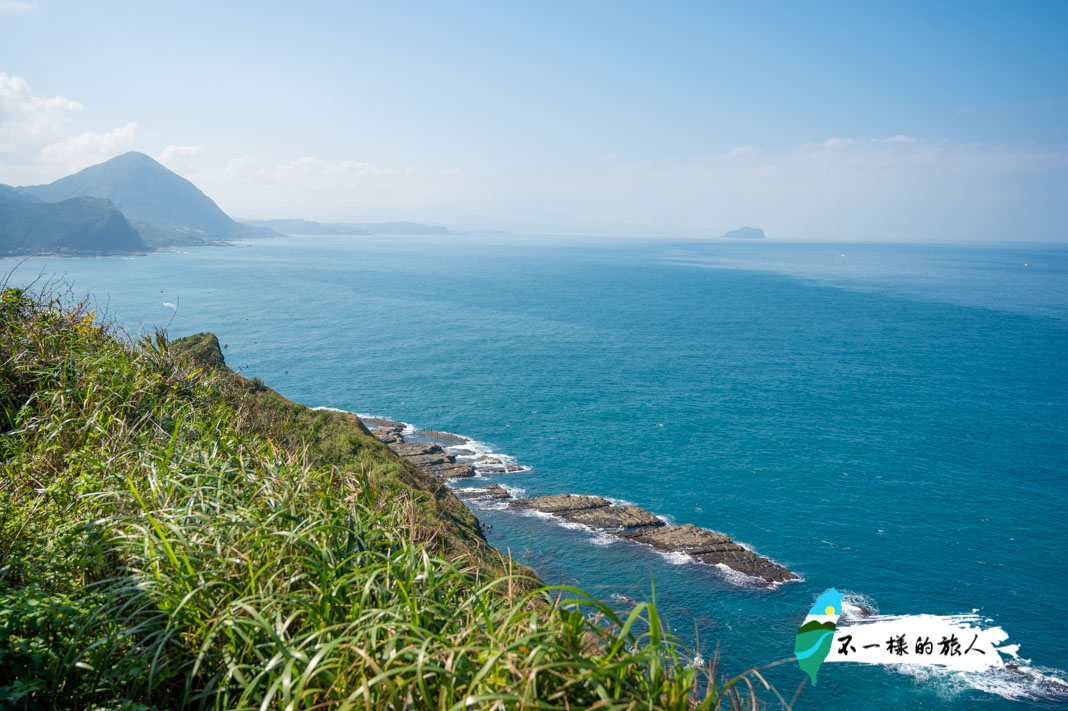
(888, 420)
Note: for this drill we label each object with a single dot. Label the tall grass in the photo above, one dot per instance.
(169, 541)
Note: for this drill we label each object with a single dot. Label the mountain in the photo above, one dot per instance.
(165, 207)
(308, 227)
(745, 233)
(81, 225)
(9, 195)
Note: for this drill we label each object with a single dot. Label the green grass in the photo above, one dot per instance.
(175, 536)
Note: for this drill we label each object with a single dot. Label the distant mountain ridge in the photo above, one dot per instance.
(162, 205)
(310, 227)
(80, 225)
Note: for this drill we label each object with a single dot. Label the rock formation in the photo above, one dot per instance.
(624, 520)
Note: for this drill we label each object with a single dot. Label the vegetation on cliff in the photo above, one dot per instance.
(175, 536)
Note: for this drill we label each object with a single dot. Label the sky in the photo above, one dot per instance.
(891, 121)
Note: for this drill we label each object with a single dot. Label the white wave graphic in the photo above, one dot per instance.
(1017, 679)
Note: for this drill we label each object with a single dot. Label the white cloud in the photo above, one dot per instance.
(306, 168)
(26, 120)
(35, 139)
(173, 152)
(898, 188)
(180, 159)
(311, 186)
(91, 147)
(16, 7)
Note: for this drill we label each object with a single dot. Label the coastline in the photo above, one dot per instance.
(454, 459)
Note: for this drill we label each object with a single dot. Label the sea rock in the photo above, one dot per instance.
(687, 538)
(711, 548)
(592, 511)
(444, 436)
(430, 460)
(415, 449)
(373, 422)
(500, 469)
(428, 456)
(389, 435)
(449, 470)
(493, 492)
(558, 503)
(614, 517)
(489, 464)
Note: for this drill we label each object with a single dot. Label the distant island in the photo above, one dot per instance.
(309, 227)
(745, 233)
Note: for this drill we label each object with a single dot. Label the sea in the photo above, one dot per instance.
(888, 420)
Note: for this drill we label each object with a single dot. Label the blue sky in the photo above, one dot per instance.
(894, 121)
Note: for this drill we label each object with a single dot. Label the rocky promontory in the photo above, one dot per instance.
(636, 524)
(628, 522)
(712, 548)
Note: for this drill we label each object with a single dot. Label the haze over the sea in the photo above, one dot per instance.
(896, 122)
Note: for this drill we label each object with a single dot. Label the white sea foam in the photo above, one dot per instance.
(737, 577)
(482, 457)
(1020, 683)
(562, 523)
(489, 504)
(496, 504)
(675, 557)
(856, 606)
(515, 491)
(604, 539)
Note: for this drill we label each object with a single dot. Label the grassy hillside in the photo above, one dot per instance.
(175, 536)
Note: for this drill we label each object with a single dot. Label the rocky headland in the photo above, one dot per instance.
(429, 450)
